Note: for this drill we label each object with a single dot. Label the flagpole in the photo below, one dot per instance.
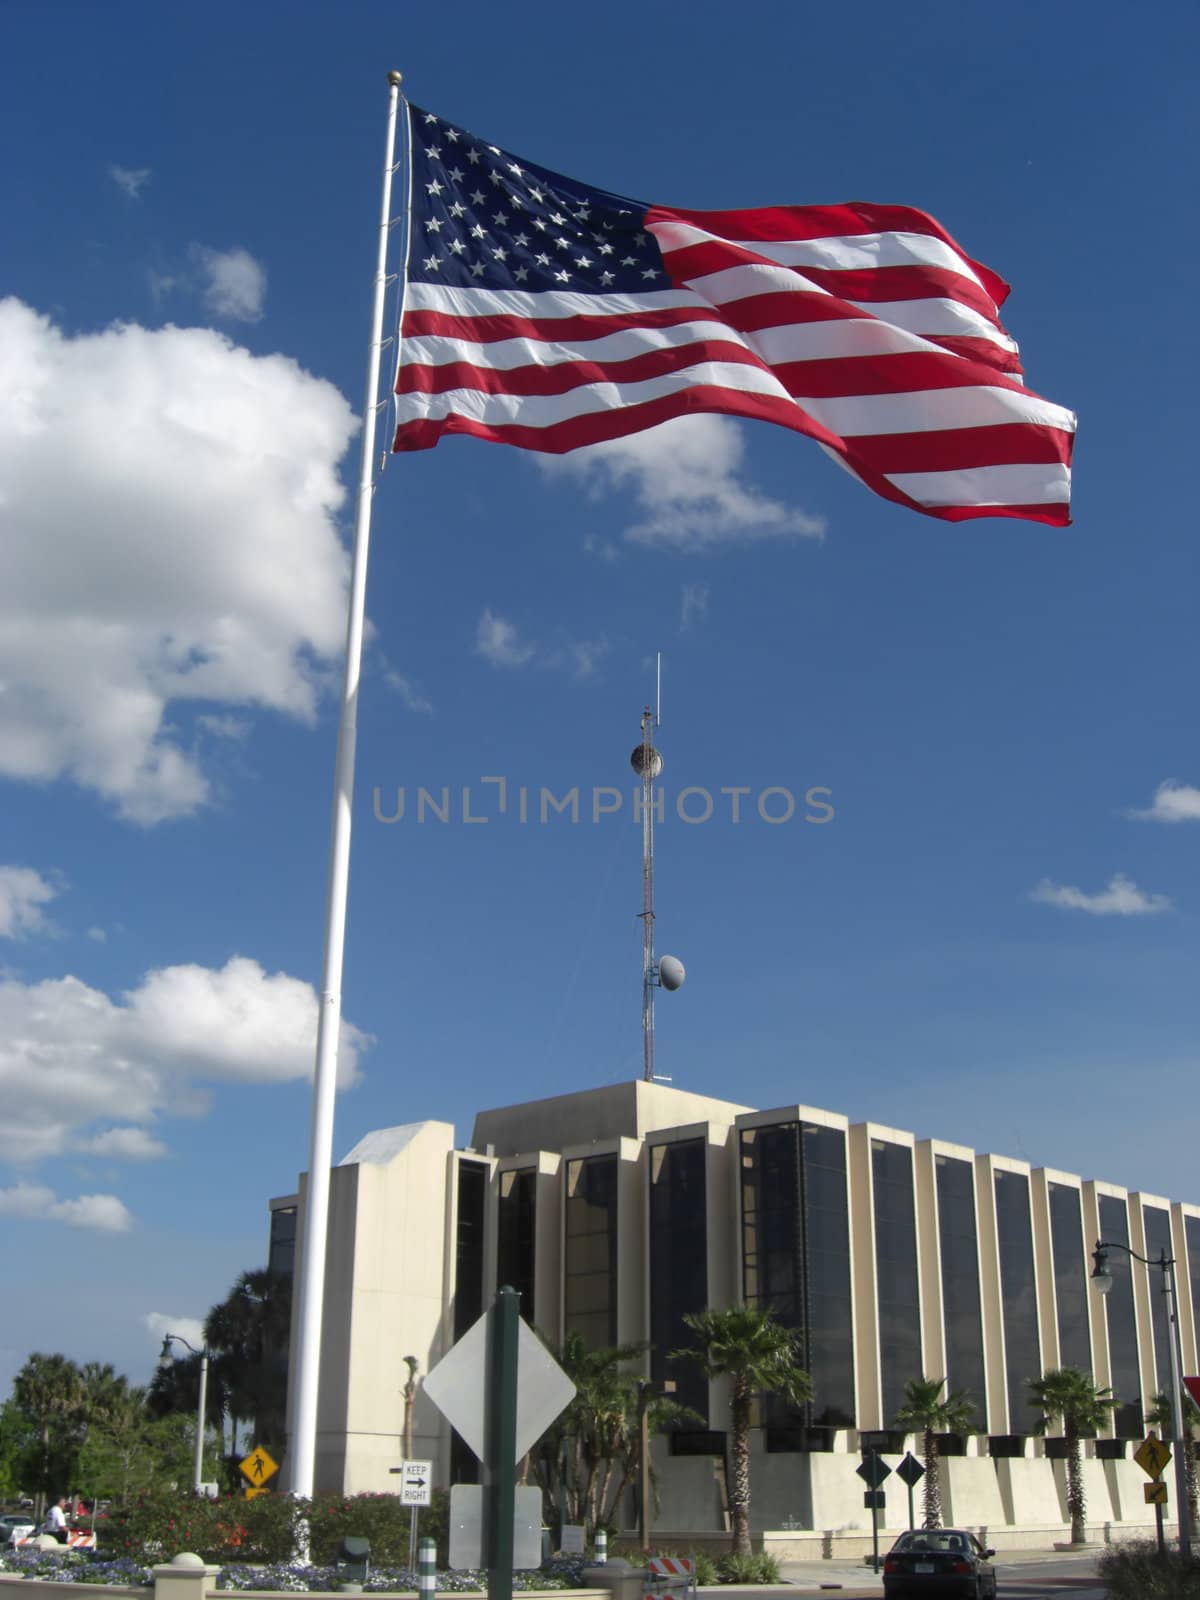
(311, 1278)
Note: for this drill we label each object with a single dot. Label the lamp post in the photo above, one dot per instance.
(165, 1359)
(1102, 1278)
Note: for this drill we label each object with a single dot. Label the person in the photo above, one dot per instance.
(56, 1521)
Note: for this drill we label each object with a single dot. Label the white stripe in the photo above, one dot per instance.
(1014, 485)
(429, 349)
(852, 252)
(543, 411)
(931, 410)
(457, 302)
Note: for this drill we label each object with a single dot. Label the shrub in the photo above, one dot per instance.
(760, 1568)
(1136, 1571)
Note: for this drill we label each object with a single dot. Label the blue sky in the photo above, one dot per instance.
(987, 943)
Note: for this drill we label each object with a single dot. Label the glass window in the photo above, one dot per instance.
(1122, 1323)
(590, 1268)
(1018, 1291)
(678, 1266)
(1191, 1234)
(1070, 1277)
(1158, 1243)
(796, 1257)
(468, 1253)
(516, 1254)
(961, 1309)
(896, 1273)
(281, 1255)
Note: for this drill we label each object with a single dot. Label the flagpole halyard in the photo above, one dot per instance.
(311, 1275)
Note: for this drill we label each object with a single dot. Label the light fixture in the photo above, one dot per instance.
(1101, 1276)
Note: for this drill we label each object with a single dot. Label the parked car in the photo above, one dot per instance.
(13, 1526)
(938, 1562)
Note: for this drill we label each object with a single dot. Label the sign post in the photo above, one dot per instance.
(500, 1439)
(1152, 1455)
(416, 1479)
(873, 1472)
(910, 1472)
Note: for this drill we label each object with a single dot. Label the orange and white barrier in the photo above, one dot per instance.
(671, 1572)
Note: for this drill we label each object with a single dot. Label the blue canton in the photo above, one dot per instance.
(481, 219)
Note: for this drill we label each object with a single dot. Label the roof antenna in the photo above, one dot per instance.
(667, 973)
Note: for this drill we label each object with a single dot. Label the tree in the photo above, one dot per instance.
(50, 1391)
(247, 1334)
(759, 1356)
(928, 1412)
(1068, 1394)
(1162, 1416)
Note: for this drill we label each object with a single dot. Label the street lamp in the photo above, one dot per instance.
(1102, 1278)
(165, 1359)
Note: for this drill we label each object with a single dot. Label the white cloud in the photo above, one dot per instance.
(131, 179)
(125, 1144)
(585, 655)
(235, 286)
(408, 692)
(224, 727)
(23, 893)
(1173, 802)
(686, 477)
(98, 935)
(161, 1323)
(693, 604)
(103, 1212)
(69, 1053)
(1122, 898)
(498, 641)
(167, 533)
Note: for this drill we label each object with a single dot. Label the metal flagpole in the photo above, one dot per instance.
(316, 1210)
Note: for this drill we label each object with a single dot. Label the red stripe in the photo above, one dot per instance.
(484, 329)
(564, 376)
(597, 427)
(910, 373)
(950, 449)
(776, 223)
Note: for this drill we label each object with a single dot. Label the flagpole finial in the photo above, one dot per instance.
(395, 79)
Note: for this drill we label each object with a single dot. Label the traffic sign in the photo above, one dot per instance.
(416, 1483)
(1152, 1456)
(458, 1385)
(910, 1470)
(1192, 1385)
(874, 1500)
(873, 1471)
(1156, 1493)
(253, 1494)
(258, 1466)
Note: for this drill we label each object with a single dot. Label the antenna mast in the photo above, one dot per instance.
(668, 973)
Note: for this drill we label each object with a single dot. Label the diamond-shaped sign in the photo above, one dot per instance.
(1152, 1456)
(258, 1466)
(873, 1471)
(910, 1470)
(458, 1386)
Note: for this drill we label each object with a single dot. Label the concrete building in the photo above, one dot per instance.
(616, 1211)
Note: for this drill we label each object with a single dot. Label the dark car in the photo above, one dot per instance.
(939, 1562)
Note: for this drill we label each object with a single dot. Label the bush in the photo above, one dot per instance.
(761, 1568)
(1136, 1571)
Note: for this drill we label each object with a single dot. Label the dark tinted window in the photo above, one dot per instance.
(590, 1267)
(1122, 1326)
(468, 1273)
(1158, 1244)
(896, 1272)
(1070, 1277)
(1019, 1295)
(796, 1257)
(959, 1251)
(516, 1256)
(281, 1257)
(678, 1265)
(1191, 1233)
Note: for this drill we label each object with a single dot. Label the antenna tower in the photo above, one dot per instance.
(668, 973)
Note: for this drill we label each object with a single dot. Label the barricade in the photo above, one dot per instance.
(670, 1575)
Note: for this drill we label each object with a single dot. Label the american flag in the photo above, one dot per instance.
(544, 313)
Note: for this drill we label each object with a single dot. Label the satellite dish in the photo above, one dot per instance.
(671, 973)
(637, 761)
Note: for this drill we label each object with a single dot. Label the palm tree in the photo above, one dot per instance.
(247, 1334)
(928, 1412)
(49, 1389)
(1162, 1416)
(759, 1356)
(1073, 1396)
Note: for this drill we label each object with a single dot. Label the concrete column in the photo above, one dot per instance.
(184, 1577)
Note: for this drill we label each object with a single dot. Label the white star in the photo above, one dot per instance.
(499, 254)
(433, 152)
(452, 135)
(477, 269)
(629, 261)
(557, 218)
(429, 117)
(522, 239)
(582, 261)
(516, 171)
(473, 157)
(542, 261)
(457, 209)
(455, 174)
(562, 277)
(515, 200)
(649, 273)
(521, 274)
(563, 244)
(477, 232)
(500, 219)
(583, 214)
(433, 188)
(432, 263)
(457, 246)
(433, 226)
(494, 151)
(605, 249)
(539, 224)
(496, 177)
(606, 277)
(478, 197)
(537, 195)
